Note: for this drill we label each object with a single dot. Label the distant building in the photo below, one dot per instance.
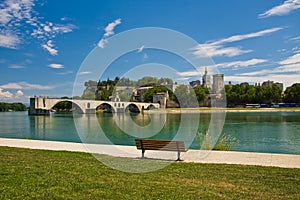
(161, 98)
(91, 87)
(195, 83)
(218, 83)
(270, 83)
(170, 86)
(206, 80)
(129, 90)
(138, 96)
(267, 83)
(115, 98)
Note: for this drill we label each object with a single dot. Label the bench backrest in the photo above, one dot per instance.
(164, 145)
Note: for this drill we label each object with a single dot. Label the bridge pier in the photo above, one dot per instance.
(36, 111)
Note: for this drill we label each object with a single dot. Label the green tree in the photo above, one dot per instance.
(76, 97)
(4, 107)
(165, 80)
(145, 81)
(200, 93)
(276, 94)
(148, 95)
(90, 83)
(64, 106)
(292, 94)
(89, 96)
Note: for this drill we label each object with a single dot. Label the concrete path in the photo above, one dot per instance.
(197, 156)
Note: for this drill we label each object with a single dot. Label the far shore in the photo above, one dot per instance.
(209, 110)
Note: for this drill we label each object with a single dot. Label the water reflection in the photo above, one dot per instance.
(259, 132)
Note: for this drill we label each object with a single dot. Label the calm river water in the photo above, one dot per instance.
(273, 132)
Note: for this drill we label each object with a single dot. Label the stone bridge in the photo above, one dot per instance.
(43, 106)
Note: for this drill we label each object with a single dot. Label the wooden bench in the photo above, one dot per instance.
(162, 145)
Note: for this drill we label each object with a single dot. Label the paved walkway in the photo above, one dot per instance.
(198, 156)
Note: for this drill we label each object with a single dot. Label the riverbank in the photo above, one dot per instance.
(191, 156)
(210, 110)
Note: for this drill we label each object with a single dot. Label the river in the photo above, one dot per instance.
(271, 132)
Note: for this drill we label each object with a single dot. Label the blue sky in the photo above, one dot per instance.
(44, 43)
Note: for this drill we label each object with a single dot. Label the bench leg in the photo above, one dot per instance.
(178, 156)
(143, 153)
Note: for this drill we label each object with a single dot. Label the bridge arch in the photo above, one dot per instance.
(76, 107)
(106, 107)
(150, 107)
(132, 108)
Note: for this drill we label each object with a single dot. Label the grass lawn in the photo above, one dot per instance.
(38, 174)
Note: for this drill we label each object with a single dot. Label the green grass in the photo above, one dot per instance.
(38, 174)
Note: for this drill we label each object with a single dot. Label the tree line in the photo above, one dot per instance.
(5, 107)
(105, 89)
(249, 94)
(235, 94)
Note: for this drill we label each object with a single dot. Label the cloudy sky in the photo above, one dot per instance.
(43, 43)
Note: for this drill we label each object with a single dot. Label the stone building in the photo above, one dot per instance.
(161, 98)
(218, 83)
(195, 83)
(270, 83)
(170, 86)
(206, 80)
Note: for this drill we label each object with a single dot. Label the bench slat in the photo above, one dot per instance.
(164, 145)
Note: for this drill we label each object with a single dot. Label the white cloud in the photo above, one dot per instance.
(20, 13)
(84, 73)
(102, 43)
(16, 67)
(286, 79)
(190, 73)
(9, 40)
(212, 50)
(283, 9)
(141, 48)
(297, 39)
(287, 72)
(47, 28)
(109, 29)
(292, 67)
(233, 64)
(56, 66)
(61, 28)
(217, 48)
(247, 36)
(50, 48)
(19, 93)
(8, 96)
(13, 11)
(244, 63)
(296, 50)
(65, 19)
(5, 94)
(66, 72)
(291, 60)
(25, 86)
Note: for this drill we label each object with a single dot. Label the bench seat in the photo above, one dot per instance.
(161, 145)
